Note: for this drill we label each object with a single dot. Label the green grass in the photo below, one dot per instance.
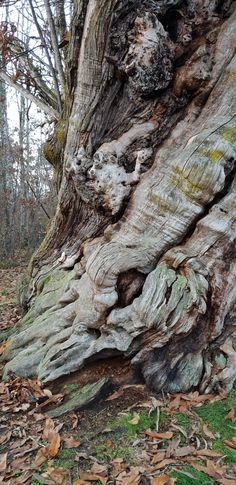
(146, 421)
(199, 477)
(182, 420)
(118, 442)
(214, 415)
(65, 459)
(4, 293)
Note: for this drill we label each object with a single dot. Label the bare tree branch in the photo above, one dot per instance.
(27, 64)
(55, 43)
(38, 200)
(44, 107)
(47, 54)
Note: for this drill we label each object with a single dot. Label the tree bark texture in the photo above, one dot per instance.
(140, 258)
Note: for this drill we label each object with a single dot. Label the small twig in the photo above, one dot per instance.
(38, 200)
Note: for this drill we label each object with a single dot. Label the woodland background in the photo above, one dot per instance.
(27, 187)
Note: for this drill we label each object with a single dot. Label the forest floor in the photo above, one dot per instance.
(130, 437)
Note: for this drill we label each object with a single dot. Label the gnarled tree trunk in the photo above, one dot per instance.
(140, 258)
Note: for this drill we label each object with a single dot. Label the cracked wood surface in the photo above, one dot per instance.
(175, 231)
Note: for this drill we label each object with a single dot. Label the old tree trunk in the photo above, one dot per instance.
(140, 258)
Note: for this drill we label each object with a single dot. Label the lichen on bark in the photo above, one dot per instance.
(148, 249)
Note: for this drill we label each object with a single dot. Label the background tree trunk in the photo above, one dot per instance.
(140, 258)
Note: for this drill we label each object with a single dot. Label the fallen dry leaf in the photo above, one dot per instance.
(183, 451)
(49, 430)
(133, 477)
(58, 475)
(135, 419)
(231, 414)
(99, 469)
(159, 456)
(54, 445)
(74, 418)
(70, 442)
(118, 466)
(87, 476)
(163, 463)
(161, 480)
(167, 435)
(206, 452)
(39, 459)
(227, 481)
(211, 469)
(231, 443)
(115, 395)
(3, 462)
(207, 432)
(5, 437)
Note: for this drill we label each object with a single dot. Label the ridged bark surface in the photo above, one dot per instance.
(140, 259)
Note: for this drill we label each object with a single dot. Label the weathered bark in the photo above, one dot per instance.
(144, 235)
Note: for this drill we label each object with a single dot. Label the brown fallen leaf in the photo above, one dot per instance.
(178, 428)
(18, 444)
(161, 480)
(115, 395)
(227, 481)
(54, 445)
(74, 418)
(159, 436)
(51, 400)
(99, 469)
(3, 462)
(133, 476)
(211, 469)
(184, 451)
(49, 430)
(231, 414)
(135, 419)
(118, 466)
(70, 442)
(40, 458)
(87, 476)
(24, 477)
(231, 443)
(58, 475)
(39, 416)
(162, 464)
(206, 452)
(5, 437)
(207, 432)
(159, 456)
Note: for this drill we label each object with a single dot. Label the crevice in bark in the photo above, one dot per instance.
(139, 291)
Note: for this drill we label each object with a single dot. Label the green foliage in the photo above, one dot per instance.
(214, 415)
(182, 420)
(65, 459)
(146, 421)
(199, 477)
